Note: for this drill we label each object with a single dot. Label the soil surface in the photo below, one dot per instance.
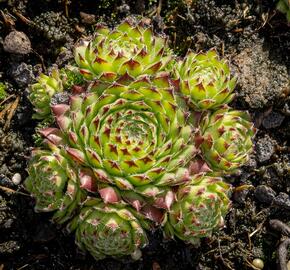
(252, 34)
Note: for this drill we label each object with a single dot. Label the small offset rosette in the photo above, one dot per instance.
(199, 209)
(54, 183)
(41, 93)
(204, 80)
(226, 139)
(130, 48)
(112, 230)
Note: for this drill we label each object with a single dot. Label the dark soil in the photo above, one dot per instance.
(256, 40)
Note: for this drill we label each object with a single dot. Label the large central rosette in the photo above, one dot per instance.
(135, 136)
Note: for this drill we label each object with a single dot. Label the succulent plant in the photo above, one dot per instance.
(128, 49)
(54, 183)
(42, 92)
(284, 7)
(226, 137)
(205, 80)
(109, 229)
(132, 135)
(136, 134)
(200, 207)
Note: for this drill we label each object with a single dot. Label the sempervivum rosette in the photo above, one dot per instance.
(109, 230)
(200, 207)
(133, 136)
(130, 48)
(54, 183)
(226, 139)
(42, 92)
(205, 80)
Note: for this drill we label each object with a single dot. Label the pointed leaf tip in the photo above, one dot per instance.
(59, 109)
(109, 195)
(76, 89)
(87, 181)
(198, 166)
(153, 213)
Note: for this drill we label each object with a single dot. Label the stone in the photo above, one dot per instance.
(265, 148)
(264, 194)
(17, 42)
(273, 120)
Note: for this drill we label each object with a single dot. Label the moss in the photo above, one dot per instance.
(70, 77)
(53, 25)
(3, 88)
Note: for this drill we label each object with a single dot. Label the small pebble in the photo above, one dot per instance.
(22, 74)
(265, 148)
(124, 8)
(258, 263)
(16, 178)
(264, 194)
(136, 255)
(273, 120)
(87, 18)
(5, 181)
(17, 42)
(240, 196)
(282, 200)
(60, 98)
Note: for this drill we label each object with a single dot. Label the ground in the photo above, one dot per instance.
(251, 34)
